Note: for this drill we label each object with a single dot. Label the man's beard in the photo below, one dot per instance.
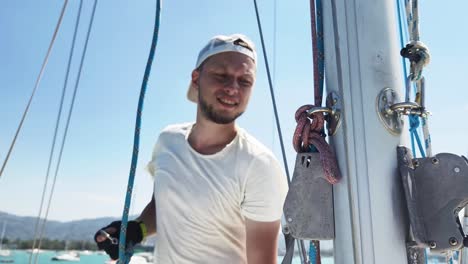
(210, 114)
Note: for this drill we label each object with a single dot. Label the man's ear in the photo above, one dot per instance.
(195, 78)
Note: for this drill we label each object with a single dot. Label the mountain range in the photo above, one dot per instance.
(22, 227)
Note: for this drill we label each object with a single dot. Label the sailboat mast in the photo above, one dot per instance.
(362, 58)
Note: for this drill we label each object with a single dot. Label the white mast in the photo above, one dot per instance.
(362, 58)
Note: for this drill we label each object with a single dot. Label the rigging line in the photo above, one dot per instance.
(413, 18)
(402, 37)
(320, 45)
(412, 15)
(413, 120)
(275, 4)
(318, 65)
(317, 89)
(272, 93)
(83, 55)
(38, 80)
(124, 257)
(57, 123)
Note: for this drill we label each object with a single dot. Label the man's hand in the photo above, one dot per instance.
(107, 238)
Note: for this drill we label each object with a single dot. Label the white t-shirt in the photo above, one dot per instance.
(202, 200)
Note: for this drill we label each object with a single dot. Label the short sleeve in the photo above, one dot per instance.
(265, 190)
(152, 165)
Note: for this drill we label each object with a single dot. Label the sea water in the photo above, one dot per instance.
(45, 257)
(22, 257)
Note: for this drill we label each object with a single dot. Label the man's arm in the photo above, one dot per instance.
(148, 217)
(262, 241)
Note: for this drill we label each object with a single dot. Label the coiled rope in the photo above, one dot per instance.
(125, 254)
(309, 135)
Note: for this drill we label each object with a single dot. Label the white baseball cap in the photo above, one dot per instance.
(219, 44)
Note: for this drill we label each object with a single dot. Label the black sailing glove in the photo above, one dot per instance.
(135, 234)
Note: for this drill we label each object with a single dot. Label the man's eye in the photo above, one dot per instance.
(246, 82)
(220, 76)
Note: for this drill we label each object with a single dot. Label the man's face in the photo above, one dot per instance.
(224, 84)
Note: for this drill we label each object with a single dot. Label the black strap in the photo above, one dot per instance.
(288, 257)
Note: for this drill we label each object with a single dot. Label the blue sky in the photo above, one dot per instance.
(94, 170)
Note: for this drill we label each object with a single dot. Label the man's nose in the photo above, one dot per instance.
(232, 86)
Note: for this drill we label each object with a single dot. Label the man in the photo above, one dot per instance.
(218, 192)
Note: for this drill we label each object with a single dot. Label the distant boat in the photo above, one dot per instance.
(86, 252)
(67, 256)
(35, 251)
(4, 252)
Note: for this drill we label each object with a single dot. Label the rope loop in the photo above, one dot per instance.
(418, 55)
(308, 133)
(307, 125)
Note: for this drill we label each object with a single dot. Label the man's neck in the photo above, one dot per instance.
(208, 138)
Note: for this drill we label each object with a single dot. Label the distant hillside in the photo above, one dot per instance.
(22, 227)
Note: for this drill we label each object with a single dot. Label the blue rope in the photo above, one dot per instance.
(312, 253)
(414, 125)
(402, 38)
(320, 44)
(413, 120)
(125, 255)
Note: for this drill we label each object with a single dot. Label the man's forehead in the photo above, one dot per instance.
(231, 59)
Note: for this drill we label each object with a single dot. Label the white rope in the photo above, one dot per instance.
(416, 51)
(418, 54)
(425, 126)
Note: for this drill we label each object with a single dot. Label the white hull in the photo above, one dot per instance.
(35, 251)
(69, 256)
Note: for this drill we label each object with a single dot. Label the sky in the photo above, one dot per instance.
(95, 165)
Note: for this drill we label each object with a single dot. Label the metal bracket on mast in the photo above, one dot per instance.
(391, 120)
(435, 190)
(332, 112)
(391, 110)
